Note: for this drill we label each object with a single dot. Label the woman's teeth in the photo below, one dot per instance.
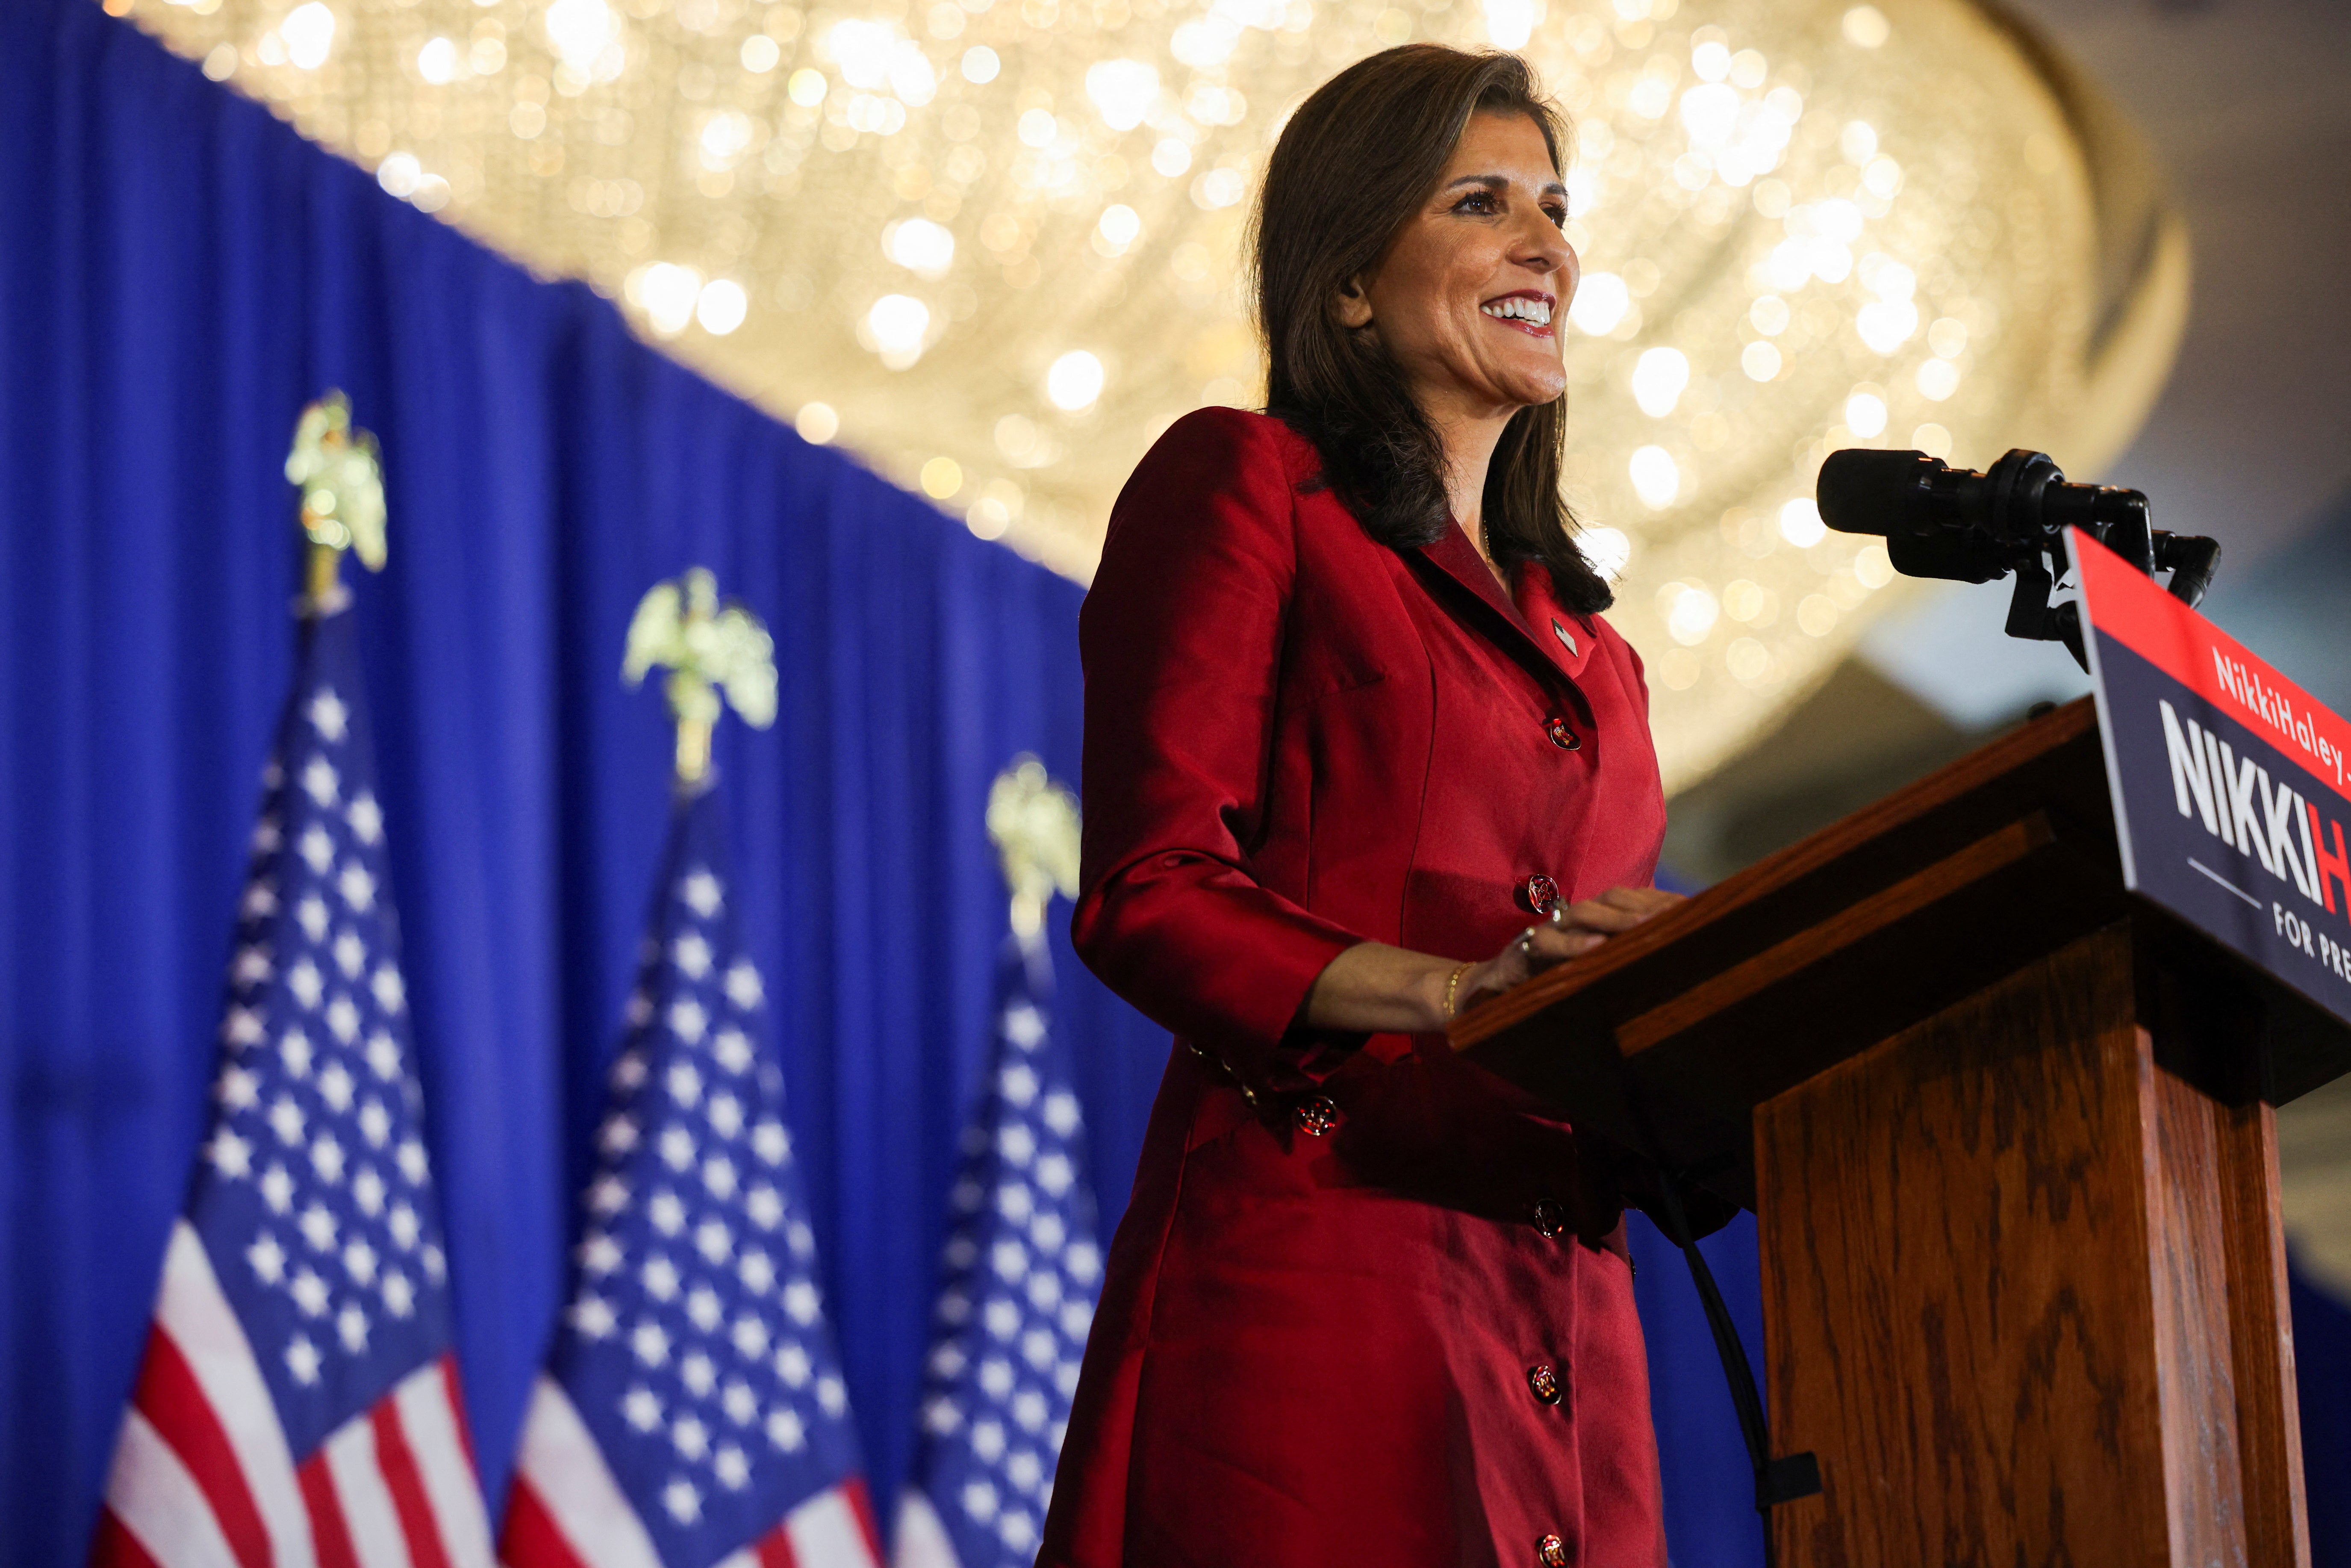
(1522, 309)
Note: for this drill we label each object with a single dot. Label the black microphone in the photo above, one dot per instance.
(1941, 521)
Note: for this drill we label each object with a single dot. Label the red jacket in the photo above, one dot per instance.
(1330, 1319)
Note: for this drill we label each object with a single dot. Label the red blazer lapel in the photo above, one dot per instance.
(1454, 559)
(1567, 636)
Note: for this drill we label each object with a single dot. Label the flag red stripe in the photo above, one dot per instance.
(407, 1487)
(774, 1550)
(331, 1536)
(457, 1410)
(173, 1402)
(115, 1547)
(532, 1539)
(854, 1490)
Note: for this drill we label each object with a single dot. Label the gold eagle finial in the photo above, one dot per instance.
(340, 471)
(1034, 824)
(707, 648)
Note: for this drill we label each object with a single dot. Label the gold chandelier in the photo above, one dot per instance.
(991, 246)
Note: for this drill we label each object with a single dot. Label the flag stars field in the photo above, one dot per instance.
(683, 1330)
(1020, 1272)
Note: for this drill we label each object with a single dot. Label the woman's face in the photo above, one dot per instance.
(1474, 289)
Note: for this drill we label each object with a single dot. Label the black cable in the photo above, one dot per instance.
(1776, 1481)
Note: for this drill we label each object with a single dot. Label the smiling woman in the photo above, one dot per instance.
(1352, 719)
(1448, 234)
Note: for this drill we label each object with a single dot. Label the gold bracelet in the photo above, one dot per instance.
(1452, 981)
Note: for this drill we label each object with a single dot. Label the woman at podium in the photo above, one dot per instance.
(1360, 750)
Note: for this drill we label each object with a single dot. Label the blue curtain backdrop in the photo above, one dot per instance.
(178, 275)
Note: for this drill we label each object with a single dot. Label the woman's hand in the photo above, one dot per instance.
(1571, 930)
(1374, 987)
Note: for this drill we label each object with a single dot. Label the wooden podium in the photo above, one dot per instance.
(2007, 1134)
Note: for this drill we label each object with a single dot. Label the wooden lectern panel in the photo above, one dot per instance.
(1963, 1324)
(2269, 1414)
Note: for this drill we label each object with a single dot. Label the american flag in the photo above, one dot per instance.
(692, 1412)
(1020, 1278)
(297, 1404)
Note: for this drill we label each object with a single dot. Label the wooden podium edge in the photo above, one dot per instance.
(1994, 853)
(1777, 872)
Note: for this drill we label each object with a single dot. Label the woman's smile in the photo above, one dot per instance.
(1528, 310)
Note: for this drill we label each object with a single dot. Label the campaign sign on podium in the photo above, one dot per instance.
(2232, 786)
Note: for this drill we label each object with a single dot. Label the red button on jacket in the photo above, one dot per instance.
(1538, 895)
(1309, 1349)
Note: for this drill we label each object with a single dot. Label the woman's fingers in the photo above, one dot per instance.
(1553, 944)
(1600, 914)
(1618, 909)
(1580, 928)
(1540, 948)
(1642, 901)
(1584, 925)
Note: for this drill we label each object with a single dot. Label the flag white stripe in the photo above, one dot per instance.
(741, 1557)
(561, 1461)
(159, 1503)
(191, 1309)
(369, 1514)
(824, 1533)
(423, 1398)
(921, 1539)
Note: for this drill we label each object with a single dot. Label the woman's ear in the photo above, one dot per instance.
(1353, 305)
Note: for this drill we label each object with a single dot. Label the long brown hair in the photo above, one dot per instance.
(1354, 163)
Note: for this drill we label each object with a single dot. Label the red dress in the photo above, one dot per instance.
(1367, 1307)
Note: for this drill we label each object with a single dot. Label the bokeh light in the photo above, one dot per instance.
(1000, 239)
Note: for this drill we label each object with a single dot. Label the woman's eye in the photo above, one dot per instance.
(1558, 217)
(1476, 201)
